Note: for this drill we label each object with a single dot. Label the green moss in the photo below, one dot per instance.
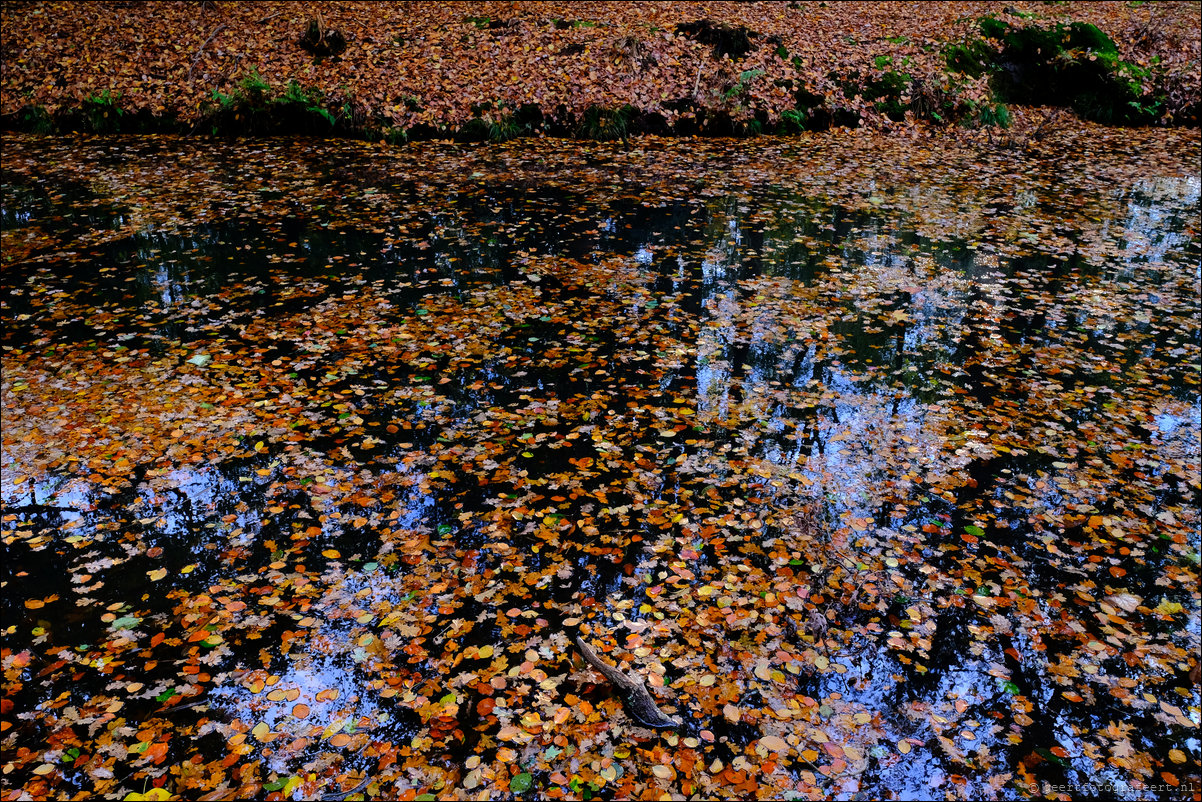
(36, 119)
(101, 113)
(605, 124)
(1075, 64)
(792, 121)
(254, 107)
(886, 91)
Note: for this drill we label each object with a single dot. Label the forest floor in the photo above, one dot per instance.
(600, 70)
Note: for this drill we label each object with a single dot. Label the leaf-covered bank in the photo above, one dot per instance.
(595, 70)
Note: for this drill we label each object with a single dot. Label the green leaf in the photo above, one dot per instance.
(975, 531)
(1047, 754)
(521, 783)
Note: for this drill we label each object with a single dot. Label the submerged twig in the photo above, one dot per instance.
(337, 796)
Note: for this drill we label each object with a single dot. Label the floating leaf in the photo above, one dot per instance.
(773, 743)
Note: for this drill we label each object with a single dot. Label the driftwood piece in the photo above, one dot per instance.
(632, 690)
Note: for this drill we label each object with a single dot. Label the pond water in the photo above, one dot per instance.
(879, 463)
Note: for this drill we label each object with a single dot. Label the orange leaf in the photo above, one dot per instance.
(155, 752)
(833, 749)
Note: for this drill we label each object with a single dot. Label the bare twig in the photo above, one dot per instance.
(212, 36)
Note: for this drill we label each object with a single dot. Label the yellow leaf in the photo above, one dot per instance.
(661, 771)
(1177, 756)
(157, 574)
(903, 746)
(486, 651)
(260, 731)
(332, 554)
(1167, 607)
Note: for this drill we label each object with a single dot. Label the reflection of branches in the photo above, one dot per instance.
(38, 508)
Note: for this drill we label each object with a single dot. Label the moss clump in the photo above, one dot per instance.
(1075, 65)
(605, 124)
(255, 108)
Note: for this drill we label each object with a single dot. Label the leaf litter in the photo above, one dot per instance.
(878, 464)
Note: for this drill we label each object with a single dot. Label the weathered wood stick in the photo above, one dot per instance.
(633, 692)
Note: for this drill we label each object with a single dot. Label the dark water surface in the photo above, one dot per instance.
(883, 463)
